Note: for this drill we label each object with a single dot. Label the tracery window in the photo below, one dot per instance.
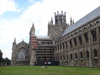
(21, 53)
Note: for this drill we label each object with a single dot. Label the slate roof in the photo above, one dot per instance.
(92, 15)
(43, 37)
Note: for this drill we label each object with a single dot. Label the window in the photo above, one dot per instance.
(70, 43)
(87, 54)
(66, 45)
(94, 35)
(60, 57)
(95, 53)
(75, 41)
(67, 56)
(70, 56)
(64, 57)
(81, 55)
(80, 40)
(75, 55)
(86, 37)
(21, 53)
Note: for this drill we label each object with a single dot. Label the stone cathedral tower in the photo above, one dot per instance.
(55, 30)
(32, 51)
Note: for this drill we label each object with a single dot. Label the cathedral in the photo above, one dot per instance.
(74, 44)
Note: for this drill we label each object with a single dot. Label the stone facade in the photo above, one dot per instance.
(76, 44)
(80, 46)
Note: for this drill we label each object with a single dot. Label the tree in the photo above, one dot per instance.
(7, 61)
(1, 57)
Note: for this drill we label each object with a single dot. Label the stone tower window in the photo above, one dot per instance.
(87, 54)
(95, 53)
(86, 37)
(94, 35)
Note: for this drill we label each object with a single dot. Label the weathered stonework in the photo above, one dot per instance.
(76, 44)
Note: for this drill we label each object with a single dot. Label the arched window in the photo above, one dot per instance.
(75, 41)
(60, 57)
(94, 35)
(86, 37)
(70, 56)
(95, 53)
(80, 39)
(75, 55)
(87, 54)
(81, 55)
(64, 57)
(70, 43)
(21, 53)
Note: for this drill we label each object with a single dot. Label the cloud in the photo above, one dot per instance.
(39, 13)
(8, 5)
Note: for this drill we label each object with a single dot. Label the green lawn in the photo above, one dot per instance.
(51, 70)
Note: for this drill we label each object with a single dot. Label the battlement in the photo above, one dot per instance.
(62, 13)
(60, 18)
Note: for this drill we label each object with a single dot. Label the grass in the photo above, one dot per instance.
(51, 70)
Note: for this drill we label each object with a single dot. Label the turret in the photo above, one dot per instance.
(14, 43)
(60, 18)
(71, 21)
(32, 31)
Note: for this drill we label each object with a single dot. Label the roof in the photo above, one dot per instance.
(92, 15)
(43, 37)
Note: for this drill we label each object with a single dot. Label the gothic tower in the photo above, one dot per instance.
(32, 51)
(55, 30)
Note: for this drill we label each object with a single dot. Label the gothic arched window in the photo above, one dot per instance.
(81, 55)
(80, 39)
(70, 56)
(75, 41)
(21, 53)
(94, 35)
(75, 55)
(86, 37)
(87, 54)
(95, 53)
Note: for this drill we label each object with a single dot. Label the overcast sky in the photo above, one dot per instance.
(17, 17)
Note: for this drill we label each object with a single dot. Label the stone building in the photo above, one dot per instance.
(79, 44)
(76, 44)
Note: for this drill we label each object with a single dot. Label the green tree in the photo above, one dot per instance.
(1, 57)
(7, 61)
